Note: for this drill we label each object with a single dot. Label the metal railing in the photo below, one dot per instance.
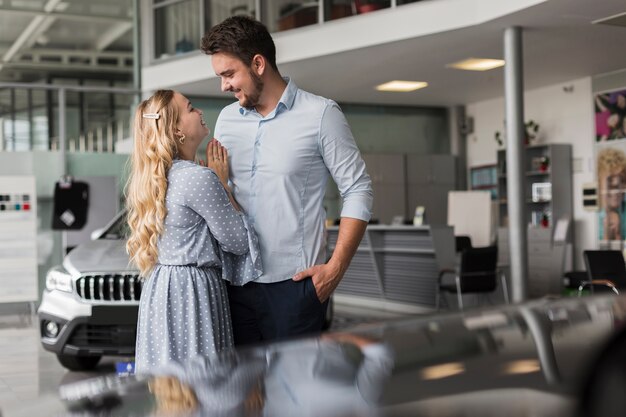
(95, 136)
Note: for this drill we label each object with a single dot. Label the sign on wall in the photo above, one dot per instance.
(18, 239)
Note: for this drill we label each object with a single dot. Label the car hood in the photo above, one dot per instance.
(102, 255)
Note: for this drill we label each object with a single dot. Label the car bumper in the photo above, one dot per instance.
(85, 329)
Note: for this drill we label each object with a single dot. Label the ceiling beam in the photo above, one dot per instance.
(38, 25)
(62, 67)
(111, 35)
(65, 15)
(46, 52)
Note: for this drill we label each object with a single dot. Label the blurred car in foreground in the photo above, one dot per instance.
(563, 357)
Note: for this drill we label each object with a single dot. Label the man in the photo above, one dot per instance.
(283, 144)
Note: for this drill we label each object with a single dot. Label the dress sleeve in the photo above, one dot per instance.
(231, 229)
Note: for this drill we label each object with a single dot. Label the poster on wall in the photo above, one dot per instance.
(18, 239)
(611, 174)
(610, 115)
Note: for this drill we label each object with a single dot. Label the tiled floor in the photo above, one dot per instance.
(28, 372)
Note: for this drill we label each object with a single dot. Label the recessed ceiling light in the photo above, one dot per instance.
(445, 370)
(401, 86)
(522, 367)
(477, 64)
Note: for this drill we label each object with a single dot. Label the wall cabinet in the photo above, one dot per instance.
(388, 175)
(429, 179)
(403, 181)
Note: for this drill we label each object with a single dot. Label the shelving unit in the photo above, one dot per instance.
(556, 170)
(396, 267)
(547, 259)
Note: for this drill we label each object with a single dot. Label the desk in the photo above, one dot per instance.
(395, 268)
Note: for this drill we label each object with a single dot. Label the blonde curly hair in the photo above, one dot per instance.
(611, 161)
(154, 150)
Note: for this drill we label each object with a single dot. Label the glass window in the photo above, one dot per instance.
(366, 6)
(177, 28)
(40, 120)
(336, 9)
(400, 2)
(289, 14)
(221, 9)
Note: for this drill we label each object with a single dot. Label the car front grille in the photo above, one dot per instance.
(109, 287)
(103, 336)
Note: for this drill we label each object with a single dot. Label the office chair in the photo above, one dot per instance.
(605, 268)
(462, 242)
(477, 273)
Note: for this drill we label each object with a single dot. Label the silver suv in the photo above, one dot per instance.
(89, 307)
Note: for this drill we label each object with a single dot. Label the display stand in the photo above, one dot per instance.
(18, 240)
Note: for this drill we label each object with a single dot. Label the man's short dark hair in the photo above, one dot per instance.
(242, 37)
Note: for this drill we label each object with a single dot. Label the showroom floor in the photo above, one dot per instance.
(27, 372)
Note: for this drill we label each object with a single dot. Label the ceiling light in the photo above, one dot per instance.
(522, 367)
(401, 86)
(442, 371)
(477, 64)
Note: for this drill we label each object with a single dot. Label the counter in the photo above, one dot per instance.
(396, 267)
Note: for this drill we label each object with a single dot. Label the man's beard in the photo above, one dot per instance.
(251, 100)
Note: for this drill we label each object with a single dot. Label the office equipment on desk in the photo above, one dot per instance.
(418, 219)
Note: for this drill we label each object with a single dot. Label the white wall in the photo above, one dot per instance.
(565, 115)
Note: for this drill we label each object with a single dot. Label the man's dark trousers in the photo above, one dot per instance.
(267, 312)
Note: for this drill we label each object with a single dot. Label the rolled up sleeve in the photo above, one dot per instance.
(345, 164)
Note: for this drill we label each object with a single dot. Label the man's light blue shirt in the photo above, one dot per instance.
(280, 165)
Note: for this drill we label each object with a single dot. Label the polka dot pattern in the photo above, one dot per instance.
(184, 304)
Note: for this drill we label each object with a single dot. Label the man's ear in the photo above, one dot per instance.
(259, 64)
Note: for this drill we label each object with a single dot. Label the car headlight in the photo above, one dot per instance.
(58, 280)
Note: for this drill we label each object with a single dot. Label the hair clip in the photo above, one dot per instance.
(154, 116)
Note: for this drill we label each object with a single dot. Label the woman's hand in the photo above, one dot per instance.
(217, 160)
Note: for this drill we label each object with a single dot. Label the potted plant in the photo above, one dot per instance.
(531, 129)
(530, 133)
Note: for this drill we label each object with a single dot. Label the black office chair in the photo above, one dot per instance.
(605, 271)
(477, 273)
(462, 242)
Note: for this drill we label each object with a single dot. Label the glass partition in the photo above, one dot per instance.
(336, 9)
(180, 24)
(177, 28)
(221, 9)
(97, 116)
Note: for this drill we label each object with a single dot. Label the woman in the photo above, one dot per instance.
(186, 235)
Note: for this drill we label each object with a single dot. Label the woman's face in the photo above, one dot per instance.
(613, 121)
(615, 191)
(190, 121)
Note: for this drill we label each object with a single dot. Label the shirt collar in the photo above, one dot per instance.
(287, 99)
(289, 95)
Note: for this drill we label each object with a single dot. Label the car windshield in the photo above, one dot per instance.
(118, 229)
